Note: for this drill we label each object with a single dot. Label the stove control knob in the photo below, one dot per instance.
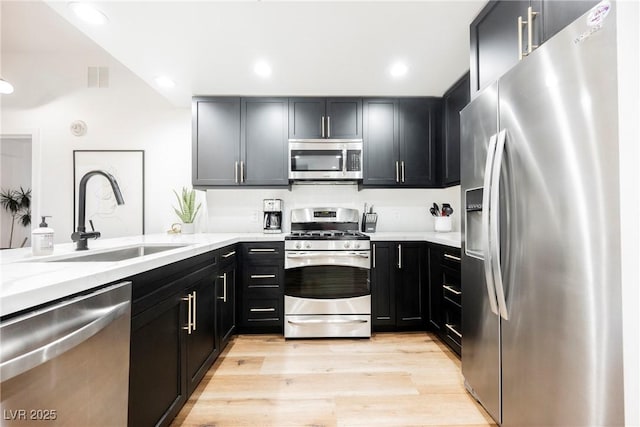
(347, 245)
(307, 245)
(356, 245)
(298, 245)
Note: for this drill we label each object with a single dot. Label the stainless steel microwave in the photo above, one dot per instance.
(322, 159)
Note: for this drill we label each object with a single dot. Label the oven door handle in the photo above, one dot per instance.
(326, 254)
(325, 321)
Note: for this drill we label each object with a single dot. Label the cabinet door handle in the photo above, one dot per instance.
(322, 128)
(397, 171)
(399, 256)
(262, 250)
(263, 276)
(452, 329)
(235, 171)
(241, 171)
(224, 287)
(453, 257)
(402, 170)
(452, 289)
(188, 300)
(530, 17)
(328, 126)
(374, 256)
(520, 23)
(195, 318)
(228, 254)
(262, 310)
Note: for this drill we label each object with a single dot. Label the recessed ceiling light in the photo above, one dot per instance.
(165, 82)
(88, 13)
(398, 69)
(5, 87)
(262, 69)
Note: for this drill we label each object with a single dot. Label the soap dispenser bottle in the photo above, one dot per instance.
(42, 238)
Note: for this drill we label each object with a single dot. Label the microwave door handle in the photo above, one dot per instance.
(265, 221)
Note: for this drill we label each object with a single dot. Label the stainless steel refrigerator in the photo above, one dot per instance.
(542, 324)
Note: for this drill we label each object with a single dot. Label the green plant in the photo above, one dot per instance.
(18, 204)
(187, 210)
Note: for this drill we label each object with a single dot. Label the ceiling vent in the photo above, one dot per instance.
(98, 77)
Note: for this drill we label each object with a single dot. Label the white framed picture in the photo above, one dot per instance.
(109, 218)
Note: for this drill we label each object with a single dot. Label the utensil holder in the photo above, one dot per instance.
(442, 224)
(370, 222)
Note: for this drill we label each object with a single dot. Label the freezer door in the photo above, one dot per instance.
(480, 326)
(562, 345)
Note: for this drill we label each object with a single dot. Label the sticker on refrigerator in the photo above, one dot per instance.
(598, 14)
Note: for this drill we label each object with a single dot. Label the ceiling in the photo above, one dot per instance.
(313, 47)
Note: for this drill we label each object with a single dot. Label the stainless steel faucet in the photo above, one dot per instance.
(81, 235)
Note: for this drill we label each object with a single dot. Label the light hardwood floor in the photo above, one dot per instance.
(393, 379)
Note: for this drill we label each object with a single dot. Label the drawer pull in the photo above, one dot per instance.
(263, 276)
(452, 329)
(452, 289)
(262, 310)
(227, 255)
(262, 250)
(453, 257)
(263, 286)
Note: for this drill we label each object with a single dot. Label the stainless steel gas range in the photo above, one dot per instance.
(327, 264)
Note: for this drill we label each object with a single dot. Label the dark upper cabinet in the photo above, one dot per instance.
(498, 40)
(317, 118)
(264, 141)
(454, 100)
(383, 300)
(239, 141)
(381, 139)
(400, 141)
(216, 141)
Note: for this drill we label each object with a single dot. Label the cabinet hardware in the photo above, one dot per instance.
(241, 172)
(328, 126)
(188, 300)
(397, 171)
(453, 257)
(262, 286)
(452, 329)
(399, 256)
(235, 171)
(227, 255)
(520, 53)
(224, 287)
(262, 310)
(195, 318)
(322, 129)
(530, 17)
(262, 250)
(452, 290)
(402, 164)
(263, 276)
(374, 256)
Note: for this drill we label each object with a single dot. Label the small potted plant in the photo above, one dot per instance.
(187, 209)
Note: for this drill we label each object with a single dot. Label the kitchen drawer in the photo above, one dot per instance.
(451, 259)
(263, 252)
(263, 277)
(227, 255)
(452, 331)
(264, 311)
(452, 294)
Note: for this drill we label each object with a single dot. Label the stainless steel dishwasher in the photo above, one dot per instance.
(68, 364)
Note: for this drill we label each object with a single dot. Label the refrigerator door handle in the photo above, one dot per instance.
(494, 237)
(485, 224)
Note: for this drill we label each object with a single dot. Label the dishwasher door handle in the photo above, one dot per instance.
(100, 319)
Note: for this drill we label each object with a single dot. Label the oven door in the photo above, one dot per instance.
(327, 274)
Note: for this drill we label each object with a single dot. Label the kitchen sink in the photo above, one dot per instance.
(120, 254)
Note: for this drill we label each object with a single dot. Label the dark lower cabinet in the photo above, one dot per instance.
(226, 296)
(173, 340)
(157, 372)
(445, 295)
(397, 278)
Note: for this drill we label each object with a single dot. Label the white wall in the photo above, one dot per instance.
(398, 209)
(628, 15)
(51, 92)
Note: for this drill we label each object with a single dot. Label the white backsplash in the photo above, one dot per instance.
(240, 210)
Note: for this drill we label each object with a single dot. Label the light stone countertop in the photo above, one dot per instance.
(27, 281)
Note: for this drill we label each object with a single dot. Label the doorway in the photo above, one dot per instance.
(15, 174)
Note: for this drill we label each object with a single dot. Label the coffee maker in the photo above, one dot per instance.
(272, 222)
